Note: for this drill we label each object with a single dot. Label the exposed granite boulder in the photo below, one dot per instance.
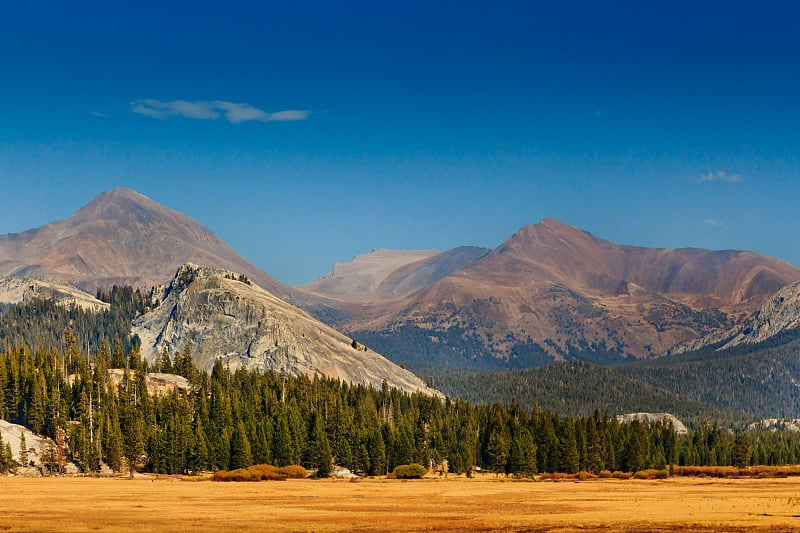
(649, 418)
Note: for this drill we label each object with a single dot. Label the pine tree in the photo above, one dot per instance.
(241, 454)
(742, 450)
(23, 450)
(497, 451)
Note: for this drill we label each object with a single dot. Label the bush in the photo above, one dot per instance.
(412, 471)
(293, 471)
(605, 474)
(621, 475)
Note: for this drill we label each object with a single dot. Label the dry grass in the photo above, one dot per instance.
(481, 504)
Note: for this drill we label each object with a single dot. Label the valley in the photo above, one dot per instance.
(435, 504)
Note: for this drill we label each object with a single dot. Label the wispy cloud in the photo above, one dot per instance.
(207, 110)
(721, 176)
(98, 114)
(713, 223)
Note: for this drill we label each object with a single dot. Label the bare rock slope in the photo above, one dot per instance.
(224, 316)
(20, 290)
(780, 313)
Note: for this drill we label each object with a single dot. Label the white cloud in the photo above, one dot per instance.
(721, 176)
(713, 223)
(201, 110)
(98, 114)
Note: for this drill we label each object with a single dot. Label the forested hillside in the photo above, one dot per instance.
(578, 388)
(228, 420)
(759, 379)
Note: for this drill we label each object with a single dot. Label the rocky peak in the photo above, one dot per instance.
(226, 317)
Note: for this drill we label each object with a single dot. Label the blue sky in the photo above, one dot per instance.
(305, 133)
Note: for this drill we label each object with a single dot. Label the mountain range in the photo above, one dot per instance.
(551, 292)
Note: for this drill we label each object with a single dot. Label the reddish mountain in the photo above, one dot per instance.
(122, 237)
(554, 291)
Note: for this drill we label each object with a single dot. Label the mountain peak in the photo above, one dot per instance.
(120, 198)
(122, 237)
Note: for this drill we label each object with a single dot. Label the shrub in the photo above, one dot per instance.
(662, 474)
(621, 475)
(293, 471)
(412, 471)
(260, 473)
(605, 474)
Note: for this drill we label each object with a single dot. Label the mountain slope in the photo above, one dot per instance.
(779, 314)
(762, 379)
(121, 237)
(226, 317)
(553, 291)
(577, 388)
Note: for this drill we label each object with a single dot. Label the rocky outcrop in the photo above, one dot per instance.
(780, 313)
(20, 290)
(157, 383)
(776, 424)
(32, 460)
(650, 418)
(224, 316)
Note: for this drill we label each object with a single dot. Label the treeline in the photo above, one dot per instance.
(233, 419)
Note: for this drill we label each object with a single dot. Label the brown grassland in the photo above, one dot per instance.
(485, 503)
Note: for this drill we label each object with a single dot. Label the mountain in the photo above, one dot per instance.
(224, 316)
(121, 237)
(361, 276)
(779, 314)
(385, 274)
(553, 291)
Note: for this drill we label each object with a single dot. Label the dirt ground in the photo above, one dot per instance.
(436, 504)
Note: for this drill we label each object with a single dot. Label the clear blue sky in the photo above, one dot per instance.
(306, 133)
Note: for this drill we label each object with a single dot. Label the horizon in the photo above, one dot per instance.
(305, 135)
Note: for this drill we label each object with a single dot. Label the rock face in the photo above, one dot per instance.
(224, 316)
(650, 418)
(780, 313)
(776, 424)
(553, 291)
(20, 290)
(157, 383)
(121, 237)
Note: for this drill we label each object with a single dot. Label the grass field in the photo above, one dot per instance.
(436, 504)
